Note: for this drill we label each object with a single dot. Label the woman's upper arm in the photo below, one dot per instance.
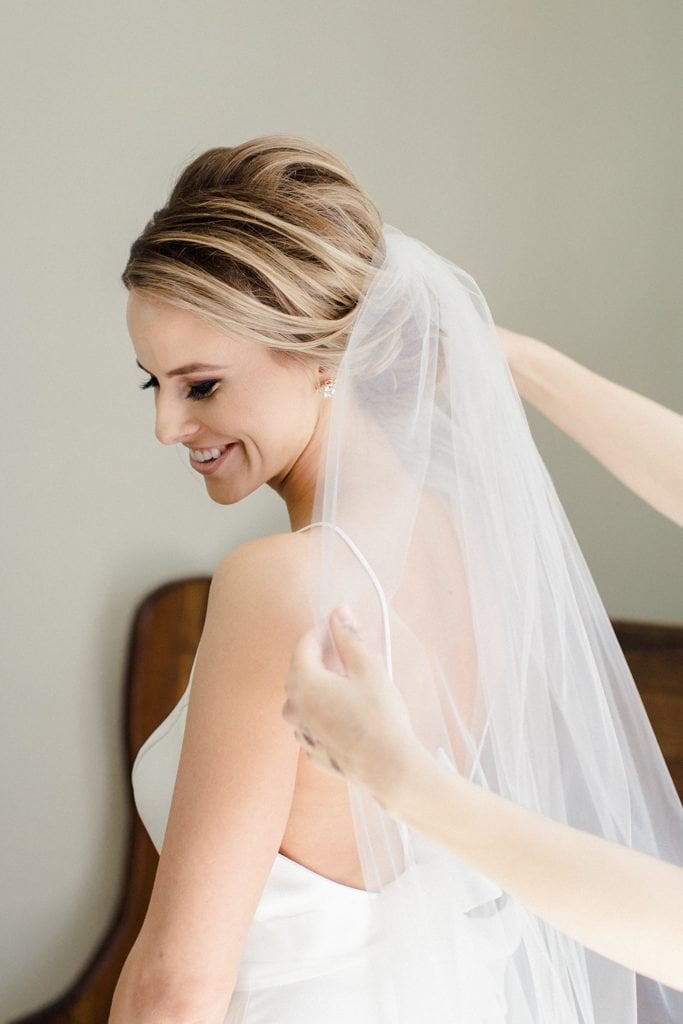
(236, 776)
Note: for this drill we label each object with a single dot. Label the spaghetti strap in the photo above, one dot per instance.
(353, 547)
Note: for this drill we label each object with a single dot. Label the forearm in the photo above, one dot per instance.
(636, 439)
(624, 905)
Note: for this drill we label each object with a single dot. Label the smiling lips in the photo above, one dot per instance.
(209, 460)
(206, 454)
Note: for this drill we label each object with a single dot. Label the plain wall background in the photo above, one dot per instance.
(537, 145)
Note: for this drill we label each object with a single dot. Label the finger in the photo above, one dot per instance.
(290, 712)
(348, 642)
(308, 739)
(307, 655)
(324, 762)
(304, 739)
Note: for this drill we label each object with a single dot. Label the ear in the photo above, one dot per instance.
(325, 380)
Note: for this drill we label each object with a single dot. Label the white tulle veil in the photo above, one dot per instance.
(462, 567)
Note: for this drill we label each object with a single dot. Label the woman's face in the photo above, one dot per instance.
(246, 415)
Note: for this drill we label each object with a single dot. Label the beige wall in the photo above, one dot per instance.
(535, 144)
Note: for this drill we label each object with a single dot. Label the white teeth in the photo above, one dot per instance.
(206, 454)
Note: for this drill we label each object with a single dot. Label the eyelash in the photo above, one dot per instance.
(195, 392)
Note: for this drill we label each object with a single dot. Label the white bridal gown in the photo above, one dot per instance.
(313, 953)
(308, 954)
(317, 951)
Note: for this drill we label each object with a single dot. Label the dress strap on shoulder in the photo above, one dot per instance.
(353, 547)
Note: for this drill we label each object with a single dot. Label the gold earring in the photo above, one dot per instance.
(328, 388)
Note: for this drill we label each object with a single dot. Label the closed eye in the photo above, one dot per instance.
(202, 389)
(195, 392)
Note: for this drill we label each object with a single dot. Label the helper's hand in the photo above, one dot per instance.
(354, 725)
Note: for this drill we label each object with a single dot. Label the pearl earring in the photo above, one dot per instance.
(328, 388)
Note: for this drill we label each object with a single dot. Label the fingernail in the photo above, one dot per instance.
(345, 617)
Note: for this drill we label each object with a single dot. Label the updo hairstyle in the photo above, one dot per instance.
(272, 240)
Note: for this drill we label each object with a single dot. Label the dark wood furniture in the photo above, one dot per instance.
(164, 638)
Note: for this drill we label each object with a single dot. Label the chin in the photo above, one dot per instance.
(227, 494)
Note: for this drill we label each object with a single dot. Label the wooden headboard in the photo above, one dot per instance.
(164, 638)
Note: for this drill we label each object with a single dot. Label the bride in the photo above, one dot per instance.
(290, 339)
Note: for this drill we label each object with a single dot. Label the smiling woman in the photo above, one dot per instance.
(291, 340)
(241, 292)
(245, 414)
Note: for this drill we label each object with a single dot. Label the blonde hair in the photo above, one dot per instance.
(272, 240)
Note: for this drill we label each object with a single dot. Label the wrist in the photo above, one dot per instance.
(525, 357)
(403, 765)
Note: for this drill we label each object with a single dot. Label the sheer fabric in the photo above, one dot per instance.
(499, 644)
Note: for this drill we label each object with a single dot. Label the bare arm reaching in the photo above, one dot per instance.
(622, 904)
(636, 439)
(231, 799)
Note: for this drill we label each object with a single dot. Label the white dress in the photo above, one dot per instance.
(309, 950)
(317, 951)
(313, 953)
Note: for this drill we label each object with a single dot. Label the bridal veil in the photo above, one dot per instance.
(464, 571)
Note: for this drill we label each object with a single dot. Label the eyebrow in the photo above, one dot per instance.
(180, 371)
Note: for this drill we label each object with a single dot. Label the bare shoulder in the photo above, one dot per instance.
(237, 770)
(266, 567)
(261, 589)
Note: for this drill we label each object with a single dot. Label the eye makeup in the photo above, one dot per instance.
(202, 389)
(195, 392)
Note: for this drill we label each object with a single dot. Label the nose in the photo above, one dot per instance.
(173, 425)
